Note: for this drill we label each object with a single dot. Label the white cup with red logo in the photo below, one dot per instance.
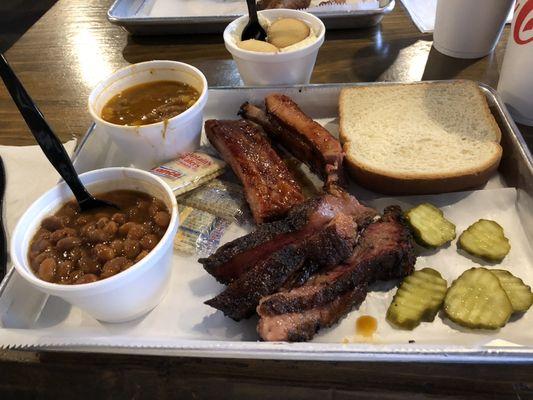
(516, 77)
(469, 28)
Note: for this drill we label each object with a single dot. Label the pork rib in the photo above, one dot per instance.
(384, 251)
(269, 187)
(305, 138)
(327, 247)
(234, 258)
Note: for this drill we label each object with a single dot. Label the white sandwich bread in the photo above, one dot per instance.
(419, 138)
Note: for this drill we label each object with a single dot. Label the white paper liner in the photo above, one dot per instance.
(197, 8)
(183, 316)
(183, 323)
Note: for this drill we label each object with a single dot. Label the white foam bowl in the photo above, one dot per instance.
(122, 297)
(284, 68)
(150, 145)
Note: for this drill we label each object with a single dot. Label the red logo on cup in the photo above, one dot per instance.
(523, 28)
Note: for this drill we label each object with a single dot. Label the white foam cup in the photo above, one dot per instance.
(147, 146)
(516, 77)
(121, 297)
(469, 28)
(282, 68)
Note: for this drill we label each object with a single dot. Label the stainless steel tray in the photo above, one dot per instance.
(30, 320)
(125, 13)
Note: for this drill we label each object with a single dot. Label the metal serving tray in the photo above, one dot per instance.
(182, 325)
(126, 13)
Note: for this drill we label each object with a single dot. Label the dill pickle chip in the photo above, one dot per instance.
(477, 300)
(418, 299)
(518, 292)
(485, 239)
(430, 227)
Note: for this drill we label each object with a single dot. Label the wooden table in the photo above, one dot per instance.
(66, 53)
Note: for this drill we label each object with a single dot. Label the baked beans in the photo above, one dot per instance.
(71, 247)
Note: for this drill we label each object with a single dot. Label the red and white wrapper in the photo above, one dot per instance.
(516, 78)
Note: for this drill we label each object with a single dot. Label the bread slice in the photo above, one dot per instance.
(419, 138)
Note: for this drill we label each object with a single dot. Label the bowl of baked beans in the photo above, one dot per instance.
(114, 263)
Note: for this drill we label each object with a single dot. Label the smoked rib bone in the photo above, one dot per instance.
(305, 138)
(384, 251)
(269, 187)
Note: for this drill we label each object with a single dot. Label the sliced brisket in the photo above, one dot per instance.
(301, 326)
(384, 251)
(234, 258)
(326, 247)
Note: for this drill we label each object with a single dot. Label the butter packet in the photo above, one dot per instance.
(189, 171)
(208, 244)
(199, 232)
(221, 198)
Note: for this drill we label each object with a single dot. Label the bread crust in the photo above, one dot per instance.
(395, 185)
(391, 182)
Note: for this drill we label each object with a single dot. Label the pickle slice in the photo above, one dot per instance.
(418, 298)
(485, 239)
(477, 300)
(430, 227)
(518, 292)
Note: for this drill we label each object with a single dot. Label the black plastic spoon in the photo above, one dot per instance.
(50, 144)
(253, 29)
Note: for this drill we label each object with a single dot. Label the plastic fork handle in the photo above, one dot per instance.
(252, 10)
(3, 237)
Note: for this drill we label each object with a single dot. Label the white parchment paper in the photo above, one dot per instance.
(183, 315)
(183, 324)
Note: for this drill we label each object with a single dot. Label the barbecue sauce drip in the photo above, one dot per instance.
(366, 325)
(149, 103)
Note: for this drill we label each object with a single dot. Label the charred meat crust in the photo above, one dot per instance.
(236, 257)
(318, 291)
(385, 251)
(269, 187)
(240, 297)
(325, 248)
(299, 327)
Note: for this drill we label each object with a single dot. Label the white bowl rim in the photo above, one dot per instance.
(232, 48)
(23, 267)
(157, 64)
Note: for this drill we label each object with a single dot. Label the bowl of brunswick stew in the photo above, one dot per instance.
(114, 264)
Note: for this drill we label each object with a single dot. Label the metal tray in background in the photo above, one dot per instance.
(125, 13)
(21, 305)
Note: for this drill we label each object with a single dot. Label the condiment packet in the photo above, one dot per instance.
(208, 244)
(199, 231)
(189, 171)
(221, 198)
